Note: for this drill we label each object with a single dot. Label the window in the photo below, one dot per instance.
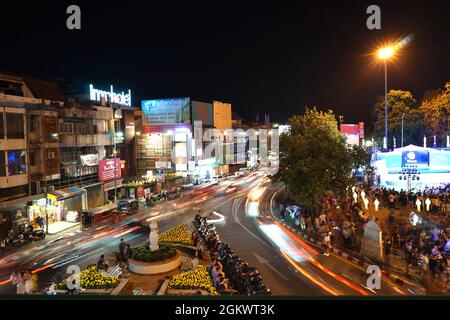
(14, 129)
(33, 158)
(16, 162)
(2, 130)
(2, 164)
(33, 123)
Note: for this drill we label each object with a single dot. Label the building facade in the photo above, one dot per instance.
(56, 150)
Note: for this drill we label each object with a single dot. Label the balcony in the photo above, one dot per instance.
(86, 140)
(13, 181)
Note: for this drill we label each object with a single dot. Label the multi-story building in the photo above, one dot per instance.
(20, 98)
(57, 151)
(169, 144)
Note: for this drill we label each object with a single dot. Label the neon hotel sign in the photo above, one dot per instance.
(111, 96)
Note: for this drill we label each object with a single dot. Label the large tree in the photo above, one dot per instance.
(400, 103)
(436, 110)
(315, 158)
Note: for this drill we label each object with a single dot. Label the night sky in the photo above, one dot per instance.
(263, 57)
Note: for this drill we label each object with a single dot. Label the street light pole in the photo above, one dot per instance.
(115, 164)
(402, 128)
(386, 105)
(115, 168)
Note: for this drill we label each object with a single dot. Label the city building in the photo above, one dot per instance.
(169, 145)
(60, 154)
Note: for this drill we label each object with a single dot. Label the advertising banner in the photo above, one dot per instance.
(416, 157)
(352, 132)
(107, 168)
(89, 159)
(165, 111)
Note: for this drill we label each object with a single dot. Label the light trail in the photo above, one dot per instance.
(126, 232)
(309, 276)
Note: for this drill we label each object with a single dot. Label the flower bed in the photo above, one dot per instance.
(178, 234)
(91, 278)
(195, 279)
(143, 254)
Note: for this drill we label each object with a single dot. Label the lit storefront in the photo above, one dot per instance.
(64, 208)
(38, 209)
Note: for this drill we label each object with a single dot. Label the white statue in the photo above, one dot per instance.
(154, 237)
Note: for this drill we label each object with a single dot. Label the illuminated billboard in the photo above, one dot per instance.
(416, 157)
(353, 132)
(165, 111)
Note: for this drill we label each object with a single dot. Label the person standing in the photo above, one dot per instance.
(17, 279)
(408, 254)
(387, 251)
(422, 238)
(2, 245)
(28, 283)
(122, 250)
(435, 235)
(327, 242)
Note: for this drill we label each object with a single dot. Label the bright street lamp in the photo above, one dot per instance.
(386, 53)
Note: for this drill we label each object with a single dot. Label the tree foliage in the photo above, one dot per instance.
(436, 111)
(399, 102)
(315, 158)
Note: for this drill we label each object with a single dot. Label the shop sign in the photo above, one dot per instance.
(109, 168)
(89, 160)
(110, 96)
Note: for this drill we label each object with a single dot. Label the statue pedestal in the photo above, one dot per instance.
(372, 243)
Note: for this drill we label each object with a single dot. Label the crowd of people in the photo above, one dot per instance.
(230, 273)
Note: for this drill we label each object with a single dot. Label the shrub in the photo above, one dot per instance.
(145, 255)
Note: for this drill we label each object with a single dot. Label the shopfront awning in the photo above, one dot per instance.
(65, 193)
